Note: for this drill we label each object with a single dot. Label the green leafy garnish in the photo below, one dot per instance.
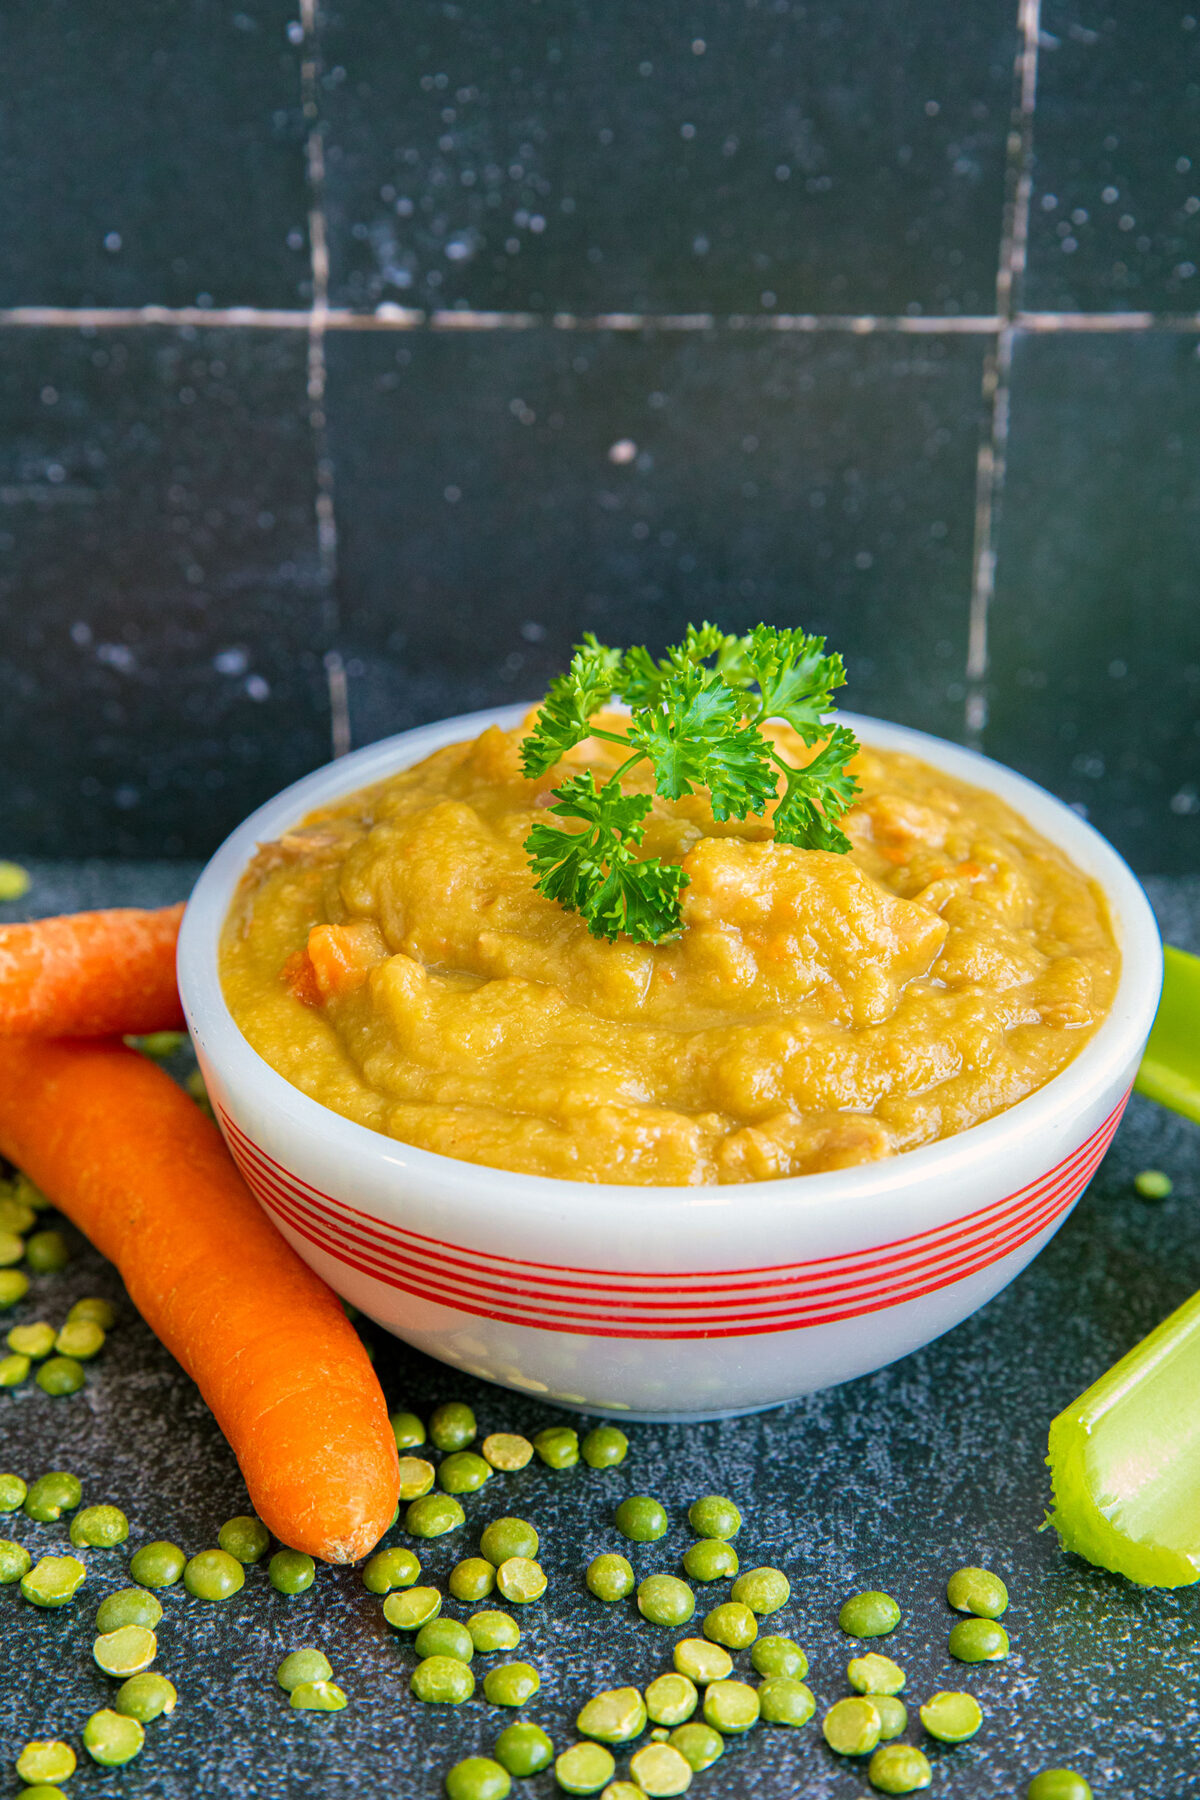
(695, 717)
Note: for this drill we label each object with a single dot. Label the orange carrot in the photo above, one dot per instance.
(126, 1155)
(91, 974)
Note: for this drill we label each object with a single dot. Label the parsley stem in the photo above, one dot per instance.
(611, 737)
(780, 762)
(629, 763)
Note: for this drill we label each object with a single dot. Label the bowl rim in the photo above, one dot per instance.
(1104, 1061)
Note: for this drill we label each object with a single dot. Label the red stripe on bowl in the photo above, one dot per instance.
(662, 1304)
(369, 1232)
(304, 1215)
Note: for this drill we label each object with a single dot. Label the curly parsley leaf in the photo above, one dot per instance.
(694, 736)
(817, 796)
(643, 680)
(794, 676)
(571, 699)
(595, 872)
(694, 717)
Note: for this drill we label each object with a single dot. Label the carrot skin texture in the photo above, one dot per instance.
(134, 1163)
(91, 974)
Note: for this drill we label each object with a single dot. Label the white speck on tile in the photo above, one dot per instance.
(623, 451)
(116, 656)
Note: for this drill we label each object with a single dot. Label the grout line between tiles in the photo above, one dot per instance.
(317, 323)
(992, 464)
(397, 318)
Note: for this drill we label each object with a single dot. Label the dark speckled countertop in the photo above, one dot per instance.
(890, 1481)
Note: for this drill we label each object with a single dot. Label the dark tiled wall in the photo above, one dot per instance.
(606, 155)
(623, 316)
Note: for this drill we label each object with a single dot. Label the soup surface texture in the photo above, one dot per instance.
(391, 957)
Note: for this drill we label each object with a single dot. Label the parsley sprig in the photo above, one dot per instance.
(695, 717)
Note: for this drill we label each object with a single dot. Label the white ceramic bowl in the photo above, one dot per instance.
(668, 1302)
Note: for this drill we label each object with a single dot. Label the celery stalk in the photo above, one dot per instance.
(1170, 1071)
(1126, 1460)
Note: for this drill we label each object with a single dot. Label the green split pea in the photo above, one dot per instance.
(641, 1518)
(59, 1376)
(491, 1631)
(699, 1745)
(610, 1577)
(731, 1624)
(665, 1600)
(129, 1606)
(303, 1665)
(783, 1700)
(899, 1769)
(46, 1759)
(1058, 1784)
(523, 1749)
(472, 1579)
(951, 1717)
(659, 1771)
(452, 1427)
(245, 1538)
(874, 1674)
(412, 1608)
(507, 1450)
(521, 1580)
(584, 1768)
(318, 1696)
(614, 1716)
(126, 1651)
(505, 1538)
(710, 1559)
(442, 1681)
(852, 1727)
(762, 1590)
(146, 1697)
(869, 1615)
(978, 1640)
(977, 1591)
(99, 1528)
(417, 1476)
(433, 1516)
(213, 1575)
(558, 1446)
(604, 1447)
(157, 1565)
(730, 1706)
(81, 1338)
(112, 1739)
(291, 1572)
(444, 1637)
(15, 1561)
(52, 1495)
(511, 1684)
(390, 1569)
(670, 1699)
(714, 1516)
(53, 1581)
(779, 1656)
(478, 1778)
(47, 1252)
(463, 1472)
(702, 1661)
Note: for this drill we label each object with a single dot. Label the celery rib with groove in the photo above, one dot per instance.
(1126, 1460)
